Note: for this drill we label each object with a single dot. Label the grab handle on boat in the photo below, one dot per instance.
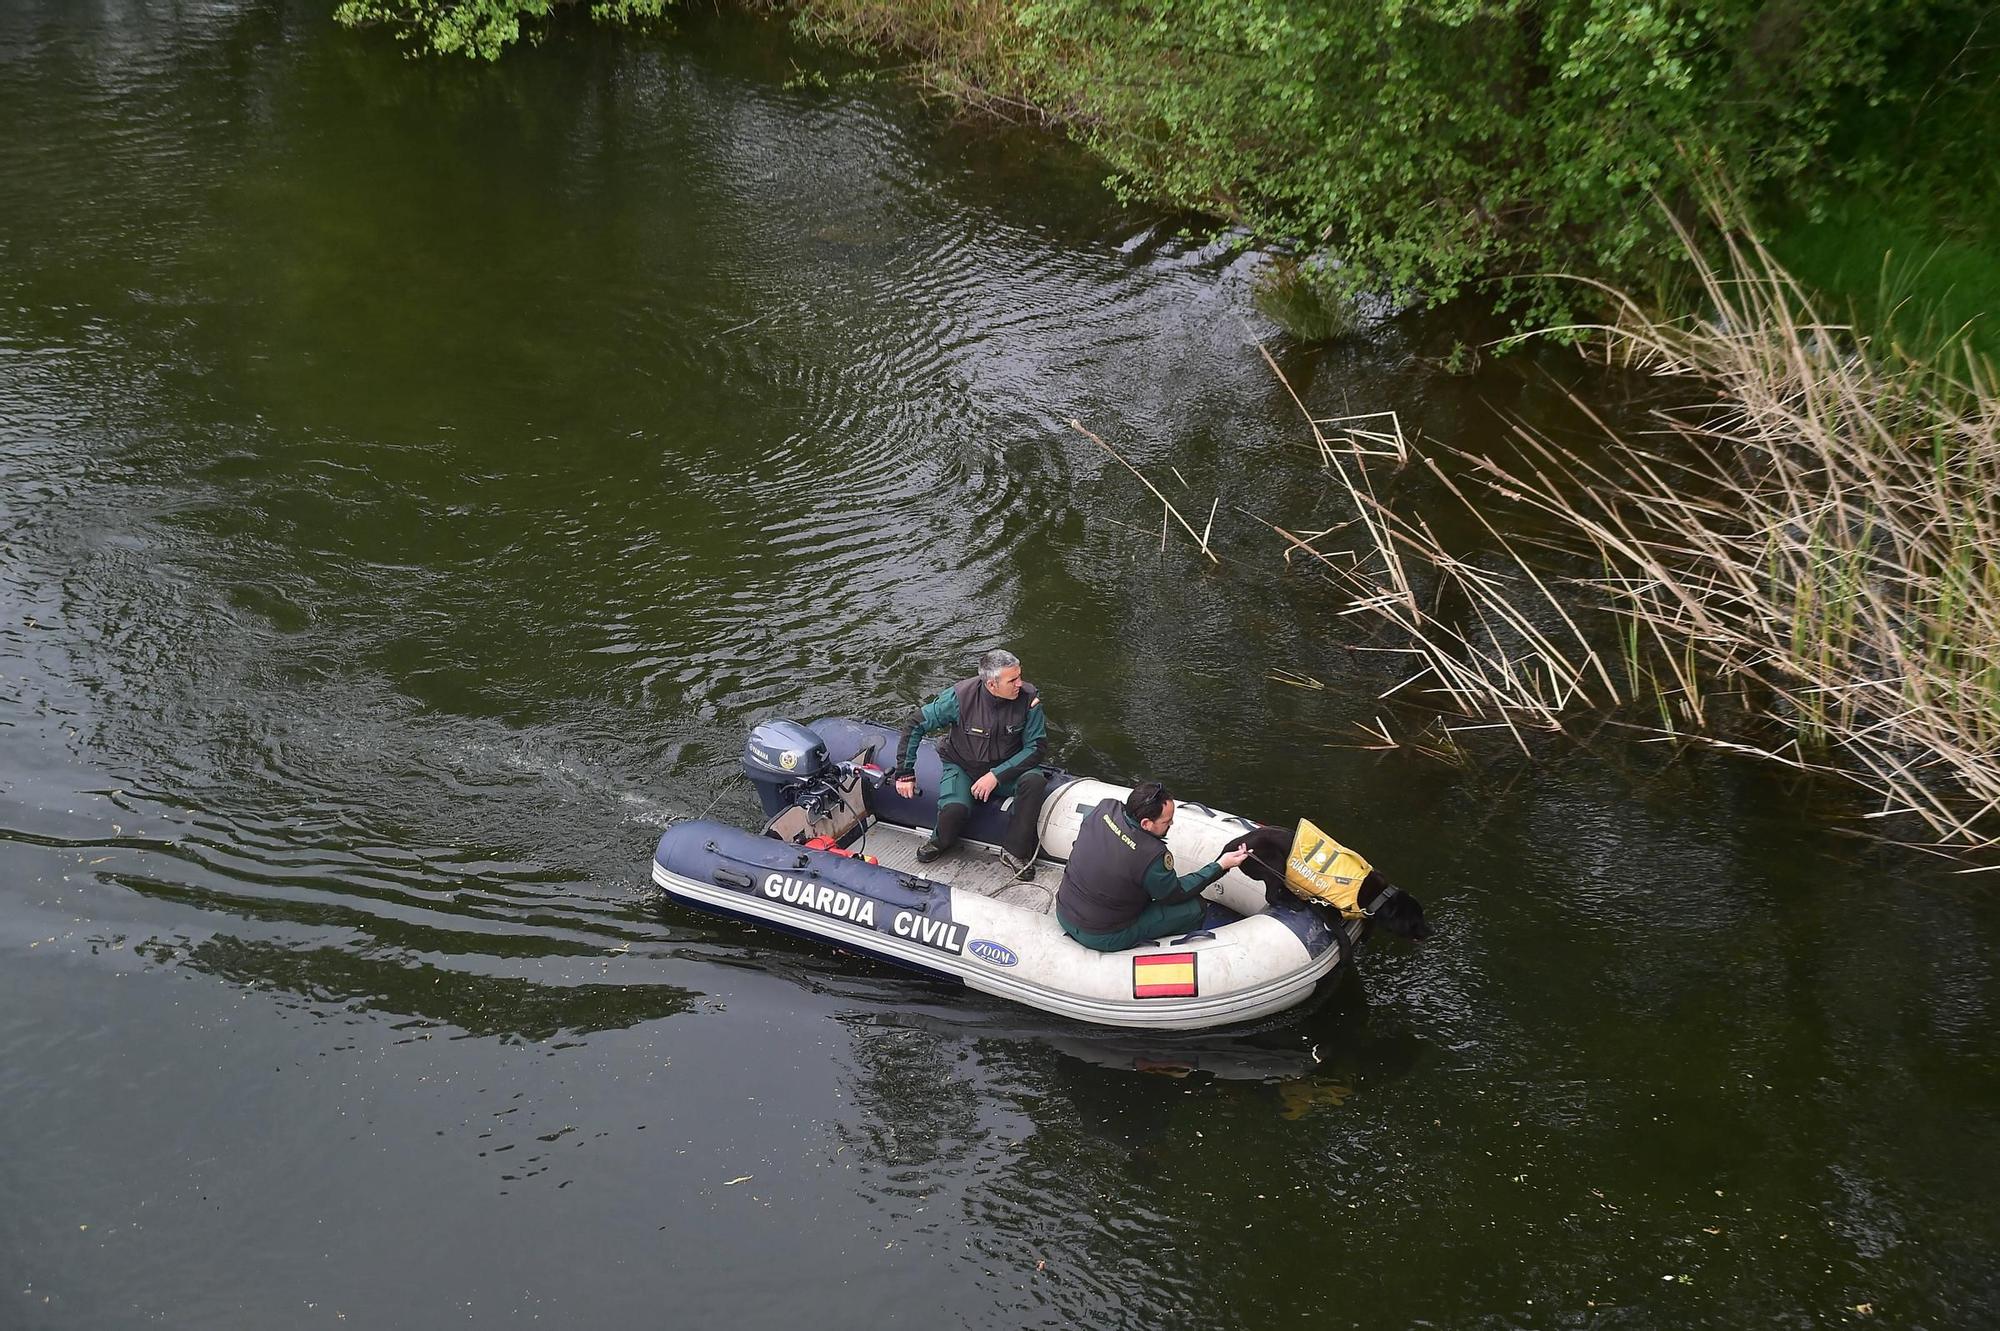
(731, 878)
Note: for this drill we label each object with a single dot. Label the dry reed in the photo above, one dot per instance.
(1200, 538)
(1817, 537)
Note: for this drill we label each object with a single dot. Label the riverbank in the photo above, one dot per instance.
(1902, 274)
(1426, 154)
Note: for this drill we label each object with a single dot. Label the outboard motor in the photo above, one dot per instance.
(779, 757)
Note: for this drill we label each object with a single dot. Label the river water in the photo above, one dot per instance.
(414, 479)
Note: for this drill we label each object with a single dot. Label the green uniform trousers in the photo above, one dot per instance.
(1153, 922)
(955, 787)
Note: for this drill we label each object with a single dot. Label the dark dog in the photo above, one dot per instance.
(1400, 913)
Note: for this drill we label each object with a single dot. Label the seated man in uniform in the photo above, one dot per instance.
(1119, 887)
(997, 737)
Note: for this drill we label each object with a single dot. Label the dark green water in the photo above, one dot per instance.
(415, 478)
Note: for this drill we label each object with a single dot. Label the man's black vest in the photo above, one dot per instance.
(988, 729)
(1104, 884)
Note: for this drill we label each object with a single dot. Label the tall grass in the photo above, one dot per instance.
(972, 52)
(1310, 302)
(1817, 536)
(1907, 279)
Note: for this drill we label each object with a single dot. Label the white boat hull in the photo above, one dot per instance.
(918, 917)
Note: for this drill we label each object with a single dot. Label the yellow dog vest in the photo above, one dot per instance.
(1321, 869)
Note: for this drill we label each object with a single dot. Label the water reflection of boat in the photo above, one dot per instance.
(1222, 1060)
(836, 861)
(1280, 1053)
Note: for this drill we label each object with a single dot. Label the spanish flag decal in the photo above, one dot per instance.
(1164, 975)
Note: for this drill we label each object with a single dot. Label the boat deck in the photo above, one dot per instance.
(969, 867)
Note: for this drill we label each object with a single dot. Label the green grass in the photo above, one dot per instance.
(1312, 306)
(1900, 274)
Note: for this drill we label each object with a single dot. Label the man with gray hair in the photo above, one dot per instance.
(998, 736)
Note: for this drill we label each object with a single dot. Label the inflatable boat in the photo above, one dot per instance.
(836, 861)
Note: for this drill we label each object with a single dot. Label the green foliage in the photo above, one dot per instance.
(1889, 272)
(1442, 145)
(1438, 143)
(1910, 249)
(481, 29)
(1462, 360)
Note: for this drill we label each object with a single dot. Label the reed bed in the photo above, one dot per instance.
(1801, 564)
